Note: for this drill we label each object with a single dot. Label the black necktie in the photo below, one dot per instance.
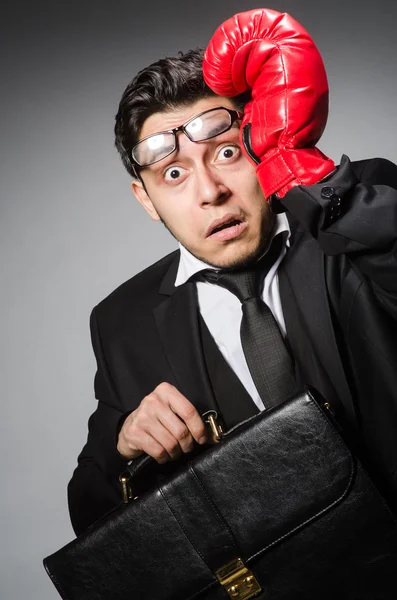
(267, 357)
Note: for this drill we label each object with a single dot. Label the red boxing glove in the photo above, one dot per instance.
(273, 55)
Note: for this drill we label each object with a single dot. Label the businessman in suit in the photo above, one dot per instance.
(227, 183)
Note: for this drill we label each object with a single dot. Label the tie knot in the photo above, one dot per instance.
(246, 283)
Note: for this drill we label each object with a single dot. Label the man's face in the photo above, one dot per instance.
(206, 193)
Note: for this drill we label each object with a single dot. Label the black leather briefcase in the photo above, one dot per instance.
(280, 509)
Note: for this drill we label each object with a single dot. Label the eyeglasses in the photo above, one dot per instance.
(203, 126)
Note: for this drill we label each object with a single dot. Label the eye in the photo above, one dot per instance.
(228, 152)
(173, 173)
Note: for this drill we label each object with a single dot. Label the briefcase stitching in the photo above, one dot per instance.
(55, 581)
(216, 509)
(181, 526)
(346, 491)
(353, 469)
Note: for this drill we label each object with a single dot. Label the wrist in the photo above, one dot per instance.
(281, 169)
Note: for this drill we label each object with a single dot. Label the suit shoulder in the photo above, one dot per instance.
(376, 171)
(141, 287)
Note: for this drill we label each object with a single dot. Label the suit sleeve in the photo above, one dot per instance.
(355, 213)
(94, 488)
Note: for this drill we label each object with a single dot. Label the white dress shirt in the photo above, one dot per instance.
(221, 310)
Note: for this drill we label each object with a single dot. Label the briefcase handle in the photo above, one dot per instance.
(213, 420)
(138, 465)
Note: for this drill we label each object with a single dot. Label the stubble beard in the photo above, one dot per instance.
(243, 260)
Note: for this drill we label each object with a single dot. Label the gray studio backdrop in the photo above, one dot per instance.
(71, 231)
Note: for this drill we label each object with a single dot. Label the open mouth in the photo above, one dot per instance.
(227, 228)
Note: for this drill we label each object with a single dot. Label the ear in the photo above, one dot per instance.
(143, 198)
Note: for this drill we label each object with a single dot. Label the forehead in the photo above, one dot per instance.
(161, 121)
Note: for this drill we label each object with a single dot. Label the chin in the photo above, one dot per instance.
(235, 255)
(236, 260)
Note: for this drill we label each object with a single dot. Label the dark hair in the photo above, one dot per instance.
(164, 85)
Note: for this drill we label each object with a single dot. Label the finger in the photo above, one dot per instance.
(157, 418)
(155, 449)
(133, 446)
(178, 429)
(164, 438)
(142, 432)
(187, 412)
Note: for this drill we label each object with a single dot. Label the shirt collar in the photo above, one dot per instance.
(189, 265)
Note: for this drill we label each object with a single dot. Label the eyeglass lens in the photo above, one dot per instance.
(202, 127)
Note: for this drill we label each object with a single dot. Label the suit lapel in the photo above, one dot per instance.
(307, 316)
(308, 319)
(177, 321)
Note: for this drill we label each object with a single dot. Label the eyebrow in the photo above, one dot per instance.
(151, 154)
(159, 166)
(234, 126)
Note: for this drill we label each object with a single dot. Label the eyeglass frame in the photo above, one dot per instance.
(234, 116)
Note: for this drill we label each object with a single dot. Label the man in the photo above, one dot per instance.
(167, 342)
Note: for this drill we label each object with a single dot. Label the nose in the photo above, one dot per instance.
(211, 189)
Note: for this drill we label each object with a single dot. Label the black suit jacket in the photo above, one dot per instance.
(338, 286)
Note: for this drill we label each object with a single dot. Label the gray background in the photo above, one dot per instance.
(71, 231)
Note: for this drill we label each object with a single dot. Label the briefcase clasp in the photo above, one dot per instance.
(211, 417)
(126, 489)
(239, 581)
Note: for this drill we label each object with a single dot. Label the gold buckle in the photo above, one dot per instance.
(211, 417)
(126, 488)
(239, 582)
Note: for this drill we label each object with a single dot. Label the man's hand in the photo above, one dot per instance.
(274, 56)
(164, 425)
